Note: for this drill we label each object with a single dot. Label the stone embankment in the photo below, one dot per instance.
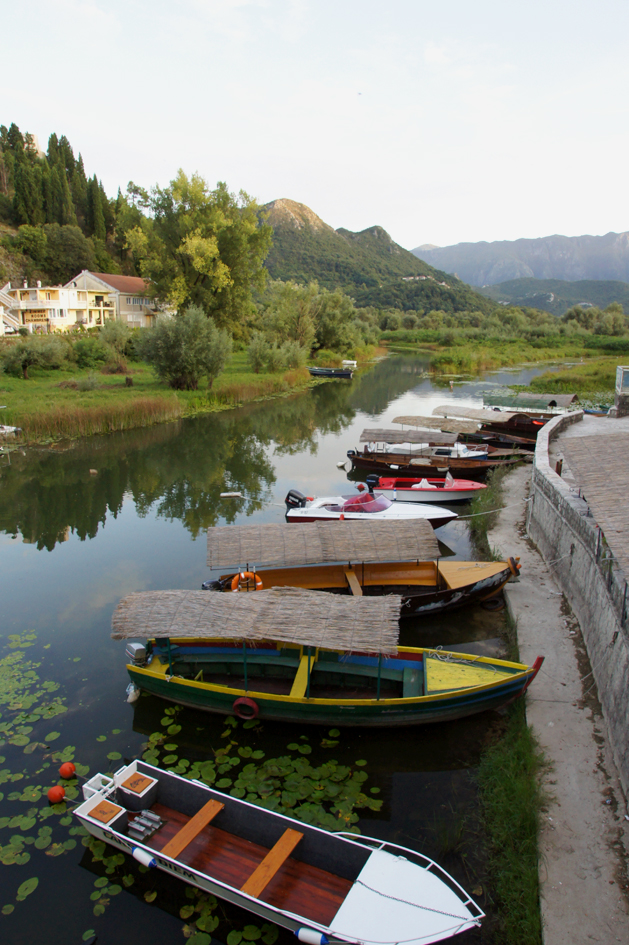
(583, 837)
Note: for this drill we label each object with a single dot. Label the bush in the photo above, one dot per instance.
(184, 349)
(258, 351)
(116, 334)
(90, 352)
(87, 383)
(37, 351)
(276, 358)
(294, 355)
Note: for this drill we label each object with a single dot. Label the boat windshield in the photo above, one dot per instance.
(366, 502)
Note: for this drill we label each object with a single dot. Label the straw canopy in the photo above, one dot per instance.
(533, 401)
(483, 416)
(284, 614)
(292, 545)
(406, 436)
(436, 423)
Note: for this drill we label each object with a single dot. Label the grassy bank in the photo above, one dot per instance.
(511, 799)
(591, 380)
(483, 511)
(69, 403)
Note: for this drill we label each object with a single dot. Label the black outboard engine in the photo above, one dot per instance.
(211, 586)
(295, 500)
(372, 481)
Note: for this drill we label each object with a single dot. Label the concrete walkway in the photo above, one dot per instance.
(584, 836)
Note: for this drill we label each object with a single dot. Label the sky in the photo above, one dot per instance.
(443, 122)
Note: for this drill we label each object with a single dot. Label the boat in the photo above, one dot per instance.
(426, 490)
(294, 655)
(359, 558)
(344, 372)
(364, 505)
(458, 459)
(325, 887)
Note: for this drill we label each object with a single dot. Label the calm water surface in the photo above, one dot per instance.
(72, 543)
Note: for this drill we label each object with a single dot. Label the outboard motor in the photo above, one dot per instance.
(211, 586)
(295, 500)
(372, 481)
(136, 654)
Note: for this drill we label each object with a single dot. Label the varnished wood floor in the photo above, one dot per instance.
(297, 887)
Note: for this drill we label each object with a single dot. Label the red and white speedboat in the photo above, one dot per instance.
(366, 506)
(426, 490)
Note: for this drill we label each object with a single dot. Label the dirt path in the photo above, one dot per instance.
(585, 831)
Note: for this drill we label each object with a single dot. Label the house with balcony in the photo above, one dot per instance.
(129, 294)
(46, 308)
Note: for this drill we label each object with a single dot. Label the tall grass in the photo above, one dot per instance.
(230, 393)
(71, 421)
(511, 799)
(483, 510)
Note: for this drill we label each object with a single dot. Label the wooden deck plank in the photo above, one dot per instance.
(191, 829)
(300, 682)
(297, 887)
(264, 873)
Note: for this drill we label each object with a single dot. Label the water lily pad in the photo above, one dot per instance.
(8, 909)
(128, 880)
(375, 790)
(26, 888)
(114, 756)
(42, 842)
(186, 911)
(169, 759)
(200, 938)
(223, 783)
(251, 933)
(166, 720)
(171, 747)
(150, 896)
(173, 729)
(19, 740)
(116, 731)
(269, 933)
(234, 937)
(88, 934)
(101, 738)
(114, 889)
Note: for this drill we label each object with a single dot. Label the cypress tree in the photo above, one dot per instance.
(53, 149)
(78, 186)
(67, 156)
(95, 219)
(108, 212)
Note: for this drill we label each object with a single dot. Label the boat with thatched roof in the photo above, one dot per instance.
(364, 559)
(294, 655)
(323, 886)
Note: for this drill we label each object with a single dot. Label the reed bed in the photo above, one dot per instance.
(68, 421)
(230, 393)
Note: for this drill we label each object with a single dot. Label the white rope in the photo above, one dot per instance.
(489, 511)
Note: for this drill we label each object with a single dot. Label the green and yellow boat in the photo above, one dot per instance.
(294, 655)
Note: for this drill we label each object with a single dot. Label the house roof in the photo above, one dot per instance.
(134, 285)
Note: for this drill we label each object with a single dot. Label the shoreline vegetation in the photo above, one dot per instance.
(71, 403)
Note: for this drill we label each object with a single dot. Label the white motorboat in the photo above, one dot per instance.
(366, 506)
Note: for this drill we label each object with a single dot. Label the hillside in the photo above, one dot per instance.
(369, 265)
(569, 258)
(557, 296)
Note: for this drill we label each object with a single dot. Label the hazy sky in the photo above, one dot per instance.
(442, 121)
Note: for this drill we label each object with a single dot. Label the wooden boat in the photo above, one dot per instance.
(513, 424)
(426, 490)
(469, 431)
(345, 373)
(294, 655)
(367, 505)
(325, 887)
(458, 460)
(366, 564)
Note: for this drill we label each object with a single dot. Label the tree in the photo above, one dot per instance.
(68, 252)
(258, 351)
(42, 352)
(116, 334)
(203, 247)
(94, 218)
(291, 311)
(186, 348)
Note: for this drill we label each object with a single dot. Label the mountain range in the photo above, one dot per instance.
(368, 265)
(557, 296)
(568, 258)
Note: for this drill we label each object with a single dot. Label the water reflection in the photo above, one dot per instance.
(178, 470)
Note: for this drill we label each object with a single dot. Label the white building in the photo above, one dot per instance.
(129, 295)
(54, 308)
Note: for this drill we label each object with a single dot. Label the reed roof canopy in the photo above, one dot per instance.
(284, 614)
(533, 401)
(472, 413)
(290, 545)
(406, 436)
(438, 423)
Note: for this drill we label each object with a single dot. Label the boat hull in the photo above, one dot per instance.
(436, 706)
(437, 467)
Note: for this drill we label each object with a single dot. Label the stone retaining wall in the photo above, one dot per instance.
(561, 525)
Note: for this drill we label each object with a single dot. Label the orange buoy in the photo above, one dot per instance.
(67, 770)
(241, 581)
(56, 794)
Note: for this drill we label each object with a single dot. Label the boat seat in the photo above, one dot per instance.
(352, 580)
(277, 855)
(300, 682)
(413, 682)
(192, 829)
(358, 669)
(237, 658)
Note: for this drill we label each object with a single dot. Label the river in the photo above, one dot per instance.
(81, 525)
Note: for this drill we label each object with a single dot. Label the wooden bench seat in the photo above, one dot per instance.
(413, 681)
(277, 855)
(191, 829)
(300, 682)
(352, 580)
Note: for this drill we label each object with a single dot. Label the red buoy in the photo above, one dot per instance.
(56, 794)
(67, 770)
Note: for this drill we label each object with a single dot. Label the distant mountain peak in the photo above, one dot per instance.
(297, 215)
(426, 246)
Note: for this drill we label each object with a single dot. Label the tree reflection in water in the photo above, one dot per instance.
(178, 470)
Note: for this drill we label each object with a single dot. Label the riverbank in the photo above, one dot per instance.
(69, 404)
(582, 863)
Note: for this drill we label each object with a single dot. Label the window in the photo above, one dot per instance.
(128, 300)
(48, 296)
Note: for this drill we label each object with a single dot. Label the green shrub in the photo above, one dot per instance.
(90, 352)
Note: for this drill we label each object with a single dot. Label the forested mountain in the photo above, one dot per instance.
(368, 265)
(557, 296)
(569, 258)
